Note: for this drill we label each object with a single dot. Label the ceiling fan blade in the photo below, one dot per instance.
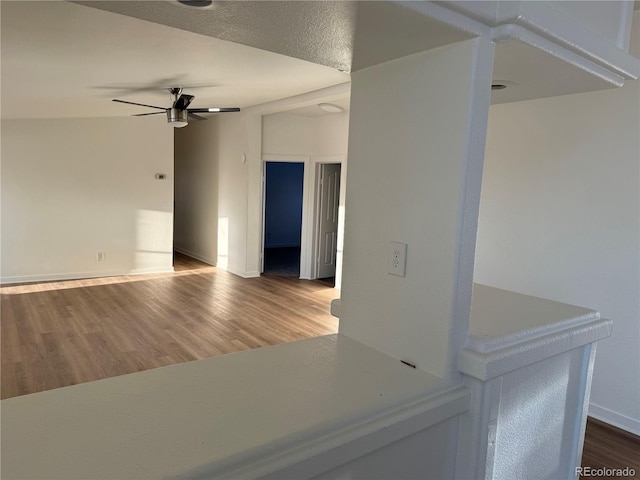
(139, 104)
(213, 110)
(159, 84)
(143, 114)
(183, 101)
(193, 116)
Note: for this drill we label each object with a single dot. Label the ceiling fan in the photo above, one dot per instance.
(178, 114)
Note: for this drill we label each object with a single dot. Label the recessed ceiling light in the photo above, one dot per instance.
(195, 3)
(330, 107)
(502, 84)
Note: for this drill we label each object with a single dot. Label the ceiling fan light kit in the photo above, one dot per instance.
(177, 118)
(178, 114)
(502, 84)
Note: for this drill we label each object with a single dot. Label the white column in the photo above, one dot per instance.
(416, 146)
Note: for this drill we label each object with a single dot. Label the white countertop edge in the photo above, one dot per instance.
(317, 453)
(486, 345)
(502, 318)
(487, 365)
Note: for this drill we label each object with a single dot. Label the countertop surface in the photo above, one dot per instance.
(500, 318)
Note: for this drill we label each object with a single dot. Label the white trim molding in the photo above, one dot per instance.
(53, 277)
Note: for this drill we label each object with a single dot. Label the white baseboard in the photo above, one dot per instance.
(242, 273)
(54, 277)
(143, 271)
(197, 256)
(613, 418)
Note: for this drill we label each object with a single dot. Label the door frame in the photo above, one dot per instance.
(306, 202)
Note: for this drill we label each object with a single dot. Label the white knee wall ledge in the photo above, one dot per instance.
(290, 411)
(509, 331)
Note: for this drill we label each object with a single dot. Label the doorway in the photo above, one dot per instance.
(284, 187)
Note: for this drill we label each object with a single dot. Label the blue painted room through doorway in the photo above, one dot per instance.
(283, 217)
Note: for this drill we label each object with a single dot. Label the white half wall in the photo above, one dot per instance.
(416, 144)
(560, 219)
(75, 187)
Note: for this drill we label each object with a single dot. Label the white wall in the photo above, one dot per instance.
(73, 187)
(287, 134)
(560, 219)
(233, 187)
(415, 166)
(211, 191)
(196, 190)
(331, 135)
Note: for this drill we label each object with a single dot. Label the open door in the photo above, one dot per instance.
(328, 219)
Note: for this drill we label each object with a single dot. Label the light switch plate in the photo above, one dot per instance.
(397, 259)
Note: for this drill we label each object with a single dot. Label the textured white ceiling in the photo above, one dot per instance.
(62, 59)
(345, 35)
(69, 59)
(317, 31)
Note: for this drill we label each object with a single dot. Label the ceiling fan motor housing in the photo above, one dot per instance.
(177, 118)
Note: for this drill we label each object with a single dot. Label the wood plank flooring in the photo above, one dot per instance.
(63, 333)
(608, 447)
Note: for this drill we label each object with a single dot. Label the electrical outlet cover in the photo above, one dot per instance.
(397, 259)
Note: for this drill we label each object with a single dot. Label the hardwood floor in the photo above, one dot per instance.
(62, 333)
(609, 448)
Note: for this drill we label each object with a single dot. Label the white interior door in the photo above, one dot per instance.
(328, 220)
